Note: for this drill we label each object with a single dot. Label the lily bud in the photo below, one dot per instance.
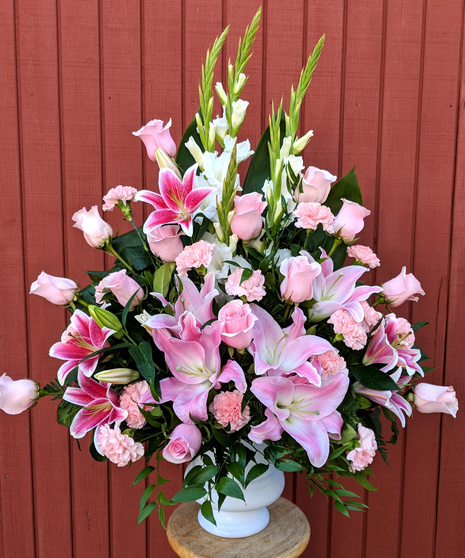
(117, 376)
(301, 143)
(165, 161)
(221, 93)
(104, 318)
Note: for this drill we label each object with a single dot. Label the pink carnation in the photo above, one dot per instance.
(311, 214)
(226, 408)
(344, 324)
(129, 399)
(252, 288)
(119, 448)
(331, 364)
(362, 456)
(364, 255)
(120, 193)
(371, 317)
(194, 256)
(404, 336)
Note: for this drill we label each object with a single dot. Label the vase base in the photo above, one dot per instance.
(235, 525)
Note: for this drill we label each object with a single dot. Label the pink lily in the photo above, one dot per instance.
(306, 412)
(336, 290)
(82, 338)
(176, 202)
(99, 402)
(279, 351)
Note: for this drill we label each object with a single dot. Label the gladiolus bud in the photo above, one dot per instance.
(117, 376)
(301, 143)
(195, 151)
(104, 318)
(221, 93)
(239, 85)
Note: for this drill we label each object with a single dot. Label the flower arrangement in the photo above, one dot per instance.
(231, 315)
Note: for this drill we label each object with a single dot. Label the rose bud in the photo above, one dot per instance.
(238, 323)
(17, 395)
(57, 290)
(316, 185)
(165, 242)
(349, 220)
(429, 398)
(299, 273)
(247, 219)
(96, 231)
(120, 285)
(396, 291)
(185, 442)
(156, 136)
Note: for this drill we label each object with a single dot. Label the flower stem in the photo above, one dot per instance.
(114, 253)
(336, 243)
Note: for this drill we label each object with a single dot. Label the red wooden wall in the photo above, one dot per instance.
(77, 77)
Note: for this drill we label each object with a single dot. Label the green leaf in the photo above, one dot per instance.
(143, 474)
(228, 487)
(164, 501)
(363, 481)
(184, 159)
(189, 494)
(144, 513)
(95, 454)
(255, 472)
(191, 474)
(347, 188)
(236, 471)
(288, 466)
(419, 325)
(146, 495)
(340, 507)
(373, 378)
(66, 412)
(129, 246)
(142, 354)
(204, 475)
(161, 517)
(124, 317)
(221, 438)
(161, 281)
(207, 511)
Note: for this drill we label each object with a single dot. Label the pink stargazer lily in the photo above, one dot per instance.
(306, 412)
(176, 202)
(280, 352)
(99, 402)
(336, 290)
(82, 338)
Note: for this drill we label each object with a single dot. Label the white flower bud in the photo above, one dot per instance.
(221, 93)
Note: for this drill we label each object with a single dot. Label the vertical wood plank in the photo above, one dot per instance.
(16, 522)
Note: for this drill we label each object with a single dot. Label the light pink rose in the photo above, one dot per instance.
(349, 220)
(247, 220)
(429, 398)
(120, 193)
(122, 286)
(226, 408)
(130, 400)
(362, 456)
(396, 291)
(119, 448)
(96, 231)
(194, 256)
(364, 255)
(353, 333)
(165, 242)
(238, 323)
(156, 136)
(299, 273)
(311, 214)
(331, 364)
(185, 442)
(252, 288)
(17, 395)
(316, 185)
(57, 290)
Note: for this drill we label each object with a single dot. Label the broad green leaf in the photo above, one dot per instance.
(340, 507)
(228, 487)
(373, 378)
(144, 513)
(207, 511)
(347, 188)
(142, 354)
(66, 413)
(189, 494)
(161, 517)
(419, 325)
(221, 438)
(204, 475)
(143, 474)
(164, 501)
(161, 281)
(191, 474)
(255, 472)
(363, 481)
(288, 466)
(236, 471)
(146, 495)
(129, 246)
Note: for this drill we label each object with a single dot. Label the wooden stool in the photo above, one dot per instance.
(286, 535)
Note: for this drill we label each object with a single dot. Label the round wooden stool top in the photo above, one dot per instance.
(286, 535)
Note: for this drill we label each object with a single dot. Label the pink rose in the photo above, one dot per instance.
(299, 273)
(311, 214)
(119, 448)
(252, 288)
(247, 221)
(353, 333)
(124, 194)
(194, 256)
(122, 286)
(316, 185)
(363, 255)
(429, 398)
(362, 456)
(226, 408)
(57, 290)
(396, 291)
(238, 323)
(96, 231)
(349, 220)
(130, 399)
(165, 242)
(185, 442)
(17, 395)
(156, 136)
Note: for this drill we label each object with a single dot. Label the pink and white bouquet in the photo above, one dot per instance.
(237, 312)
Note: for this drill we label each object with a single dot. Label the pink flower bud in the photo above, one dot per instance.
(429, 398)
(165, 242)
(57, 290)
(122, 286)
(247, 220)
(349, 220)
(185, 442)
(96, 231)
(402, 288)
(156, 136)
(17, 395)
(238, 323)
(299, 273)
(316, 185)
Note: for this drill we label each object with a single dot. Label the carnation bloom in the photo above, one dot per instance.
(124, 194)
(363, 255)
(194, 256)
(330, 364)
(119, 448)
(344, 324)
(226, 408)
(252, 288)
(130, 399)
(311, 214)
(362, 456)
(371, 317)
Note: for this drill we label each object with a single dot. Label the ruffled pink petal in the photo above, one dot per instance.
(65, 369)
(93, 388)
(324, 399)
(297, 329)
(333, 424)
(170, 389)
(308, 371)
(298, 351)
(185, 359)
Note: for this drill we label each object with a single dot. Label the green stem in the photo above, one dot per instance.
(287, 310)
(113, 252)
(336, 243)
(143, 242)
